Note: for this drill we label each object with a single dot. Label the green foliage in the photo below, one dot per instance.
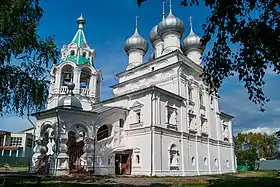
(253, 26)
(249, 147)
(24, 57)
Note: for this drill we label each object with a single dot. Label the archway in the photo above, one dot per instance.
(75, 151)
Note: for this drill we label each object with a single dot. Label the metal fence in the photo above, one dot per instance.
(14, 161)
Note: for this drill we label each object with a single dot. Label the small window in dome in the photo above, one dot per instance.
(84, 54)
(72, 52)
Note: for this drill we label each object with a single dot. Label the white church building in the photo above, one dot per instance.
(161, 121)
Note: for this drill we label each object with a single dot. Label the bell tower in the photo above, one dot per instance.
(77, 66)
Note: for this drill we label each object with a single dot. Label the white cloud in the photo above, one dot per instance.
(262, 130)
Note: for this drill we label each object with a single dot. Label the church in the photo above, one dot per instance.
(160, 121)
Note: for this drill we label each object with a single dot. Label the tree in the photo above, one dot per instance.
(252, 25)
(251, 146)
(24, 57)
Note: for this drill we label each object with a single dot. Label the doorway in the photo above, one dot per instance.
(123, 163)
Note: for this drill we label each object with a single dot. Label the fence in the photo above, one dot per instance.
(14, 161)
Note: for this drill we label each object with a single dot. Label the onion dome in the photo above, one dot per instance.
(70, 101)
(136, 42)
(171, 23)
(192, 41)
(81, 21)
(154, 34)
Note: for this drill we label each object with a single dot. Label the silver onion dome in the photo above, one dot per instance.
(136, 42)
(171, 23)
(192, 41)
(154, 34)
(70, 101)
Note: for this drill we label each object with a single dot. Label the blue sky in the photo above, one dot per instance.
(109, 23)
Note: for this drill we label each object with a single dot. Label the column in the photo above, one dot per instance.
(92, 85)
(39, 153)
(76, 80)
(89, 150)
(61, 166)
(57, 81)
(10, 154)
(17, 153)
(4, 144)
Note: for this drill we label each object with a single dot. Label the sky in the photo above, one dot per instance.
(110, 22)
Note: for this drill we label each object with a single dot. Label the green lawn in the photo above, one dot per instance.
(241, 179)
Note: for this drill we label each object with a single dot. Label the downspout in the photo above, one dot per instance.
(94, 143)
(152, 139)
(33, 141)
(57, 140)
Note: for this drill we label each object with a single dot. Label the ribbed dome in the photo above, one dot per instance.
(192, 41)
(171, 23)
(154, 34)
(70, 101)
(136, 42)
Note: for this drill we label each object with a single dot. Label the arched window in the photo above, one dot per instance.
(103, 132)
(121, 123)
(72, 53)
(137, 159)
(173, 155)
(205, 161)
(193, 161)
(227, 164)
(216, 162)
(84, 54)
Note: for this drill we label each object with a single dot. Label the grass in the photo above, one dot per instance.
(241, 179)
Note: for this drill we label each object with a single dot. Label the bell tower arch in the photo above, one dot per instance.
(76, 66)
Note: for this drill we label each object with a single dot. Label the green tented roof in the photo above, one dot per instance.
(79, 38)
(76, 60)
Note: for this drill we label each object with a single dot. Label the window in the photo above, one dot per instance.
(227, 162)
(89, 54)
(137, 159)
(212, 103)
(29, 142)
(171, 115)
(190, 93)
(121, 123)
(84, 54)
(173, 155)
(16, 141)
(216, 162)
(109, 161)
(103, 132)
(201, 99)
(193, 161)
(205, 161)
(153, 68)
(72, 53)
(138, 116)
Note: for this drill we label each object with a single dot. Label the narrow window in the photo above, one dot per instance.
(205, 161)
(72, 52)
(138, 114)
(84, 54)
(201, 99)
(137, 159)
(190, 94)
(121, 123)
(193, 161)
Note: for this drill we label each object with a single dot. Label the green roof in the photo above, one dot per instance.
(76, 60)
(79, 38)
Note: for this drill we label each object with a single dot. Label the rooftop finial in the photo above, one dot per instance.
(163, 14)
(81, 21)
(136, 23)
(191, 23)
(170, 6)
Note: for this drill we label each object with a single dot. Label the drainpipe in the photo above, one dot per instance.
(33, 139)
(152, 145)
(94, 143)
(57, 140)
